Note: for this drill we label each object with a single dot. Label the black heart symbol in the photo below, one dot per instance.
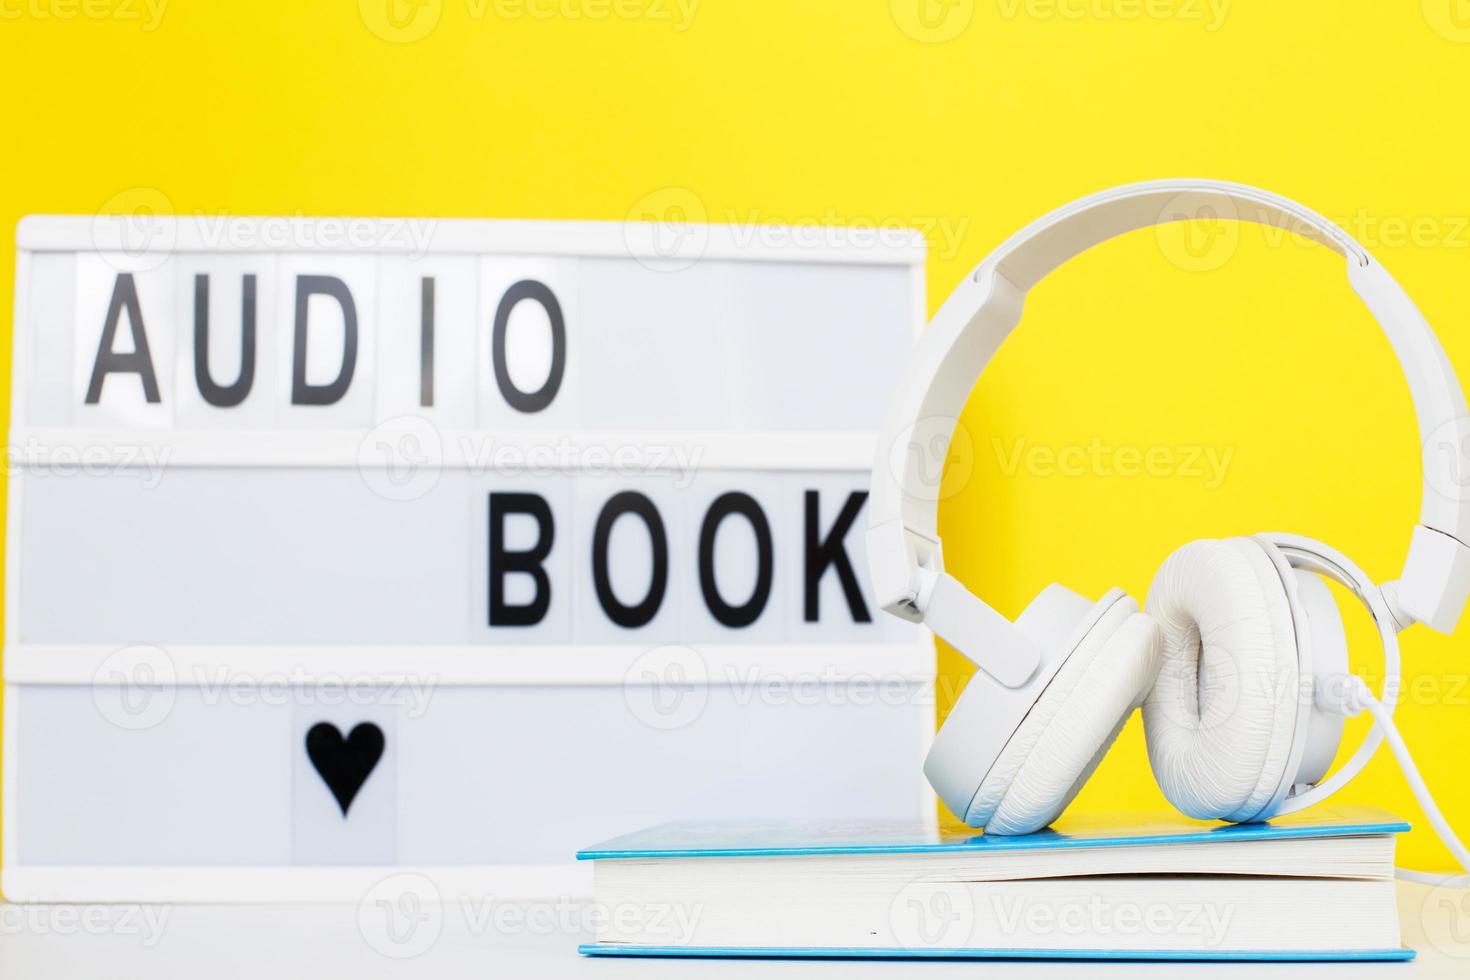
(344, 764)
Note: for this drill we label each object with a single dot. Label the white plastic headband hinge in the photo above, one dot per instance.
(895, 557)
(1436, 580)
(985, 637)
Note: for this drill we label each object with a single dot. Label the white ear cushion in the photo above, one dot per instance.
(1070, 728)
(1221, 717)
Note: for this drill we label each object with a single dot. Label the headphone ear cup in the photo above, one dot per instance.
(1074, 722)
(1222, 715)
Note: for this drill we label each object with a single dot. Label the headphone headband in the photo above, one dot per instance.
(903, 541)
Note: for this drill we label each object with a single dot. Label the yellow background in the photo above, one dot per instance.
(965, 122)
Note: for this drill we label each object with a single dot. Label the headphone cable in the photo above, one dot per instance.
(1383, 718)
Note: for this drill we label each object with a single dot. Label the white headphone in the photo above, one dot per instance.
(1240, 661)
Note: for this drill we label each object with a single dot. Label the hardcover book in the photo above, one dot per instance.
(1311, 886)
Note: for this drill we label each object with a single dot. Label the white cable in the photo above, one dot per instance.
(1383, 718)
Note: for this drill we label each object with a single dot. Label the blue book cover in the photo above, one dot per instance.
(737, 839)
(745, 838)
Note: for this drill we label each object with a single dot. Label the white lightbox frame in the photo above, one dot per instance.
(30, 664)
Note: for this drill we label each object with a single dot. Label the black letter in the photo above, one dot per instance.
(301, 392)
(529, 562)
(820, 554)
(630, 502)
(529, 401)
(124, 293)
(745, 505)
(426, 341)
(219, 395)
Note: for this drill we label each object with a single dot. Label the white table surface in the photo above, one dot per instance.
(329, 941)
